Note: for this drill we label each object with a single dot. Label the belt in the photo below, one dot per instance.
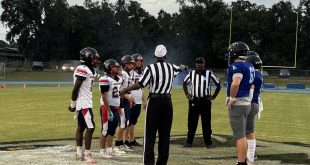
(200, 98)
(157, 95)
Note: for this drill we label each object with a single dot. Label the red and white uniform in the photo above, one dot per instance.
(114, 89)
(85, 95)
(137, 94)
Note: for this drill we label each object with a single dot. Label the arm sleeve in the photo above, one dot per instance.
(104, 85)
(81, 72)
(145, 79)
(187, 78)
(80, 77)
(214, 79)
(104, 88)
(176, 70)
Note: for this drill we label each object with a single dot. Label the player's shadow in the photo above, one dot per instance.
(217, 140)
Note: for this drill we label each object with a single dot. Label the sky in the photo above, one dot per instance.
(153, 7)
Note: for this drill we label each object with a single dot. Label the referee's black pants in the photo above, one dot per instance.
(199, 107)
(158, 118)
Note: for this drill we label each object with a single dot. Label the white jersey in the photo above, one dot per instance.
(85, 95)
(126, 79)
(137, 94)
(113, 92)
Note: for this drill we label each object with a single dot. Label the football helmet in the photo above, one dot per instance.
(127, 59)
(109, 64)
(237, 50)
(252, 53)
(137, 57)
(89, 56)
(255, 60)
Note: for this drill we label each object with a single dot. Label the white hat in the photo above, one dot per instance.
(160, 51)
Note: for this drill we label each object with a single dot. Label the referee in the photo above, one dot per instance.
(159, 76)
(200, 101)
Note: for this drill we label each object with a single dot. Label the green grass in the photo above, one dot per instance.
(40, 113)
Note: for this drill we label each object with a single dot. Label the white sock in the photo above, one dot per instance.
(87, 152)
(79, 150)
(251, 149)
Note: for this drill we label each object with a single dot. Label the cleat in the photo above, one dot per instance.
(89, 159)
(127, 143)
(250, 163)
(106, 154)
(187, 145)
(135, 143)
(79, 157)
(117, 151)
(125, 148)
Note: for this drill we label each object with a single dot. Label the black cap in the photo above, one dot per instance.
(200, 60)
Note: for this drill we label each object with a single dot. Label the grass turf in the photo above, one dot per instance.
(40, 113)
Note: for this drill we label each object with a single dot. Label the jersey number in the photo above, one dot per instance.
(115, 92)
(252, 75)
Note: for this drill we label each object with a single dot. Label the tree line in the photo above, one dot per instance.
(52, 30)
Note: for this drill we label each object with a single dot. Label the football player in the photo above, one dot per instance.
(122, 131)
(255, 106)
(109, 86)
(81, 101)
(240, 76)
(136, 74)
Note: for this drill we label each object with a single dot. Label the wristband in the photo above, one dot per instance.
(232, 98)
(73, 104)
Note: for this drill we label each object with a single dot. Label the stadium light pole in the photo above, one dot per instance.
(230, 27)
(296, 39)
(230, 24)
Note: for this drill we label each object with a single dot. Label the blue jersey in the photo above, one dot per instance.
(258, 81)
(248, 72)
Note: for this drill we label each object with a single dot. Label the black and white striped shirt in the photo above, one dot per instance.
(159, 76)
(201, 83)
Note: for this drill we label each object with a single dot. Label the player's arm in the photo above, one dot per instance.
(106, 101)
(104, 89)
(75, 92)
(218, 86)
(185, 89)
(143, 99)
(237, 77)
(235, 85)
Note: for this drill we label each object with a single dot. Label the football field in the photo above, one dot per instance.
(37, 127)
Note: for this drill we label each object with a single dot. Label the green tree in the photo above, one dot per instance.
(23, 18)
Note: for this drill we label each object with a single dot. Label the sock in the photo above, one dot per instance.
(251, 149)
(87, 152)
(118, 143)
(79, 150)
(127, 142)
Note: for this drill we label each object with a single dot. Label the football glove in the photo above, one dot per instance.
(110, 115)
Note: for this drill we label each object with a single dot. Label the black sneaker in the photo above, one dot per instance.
(209, 146)
(135, 143)
(127, 143)
(187, 145)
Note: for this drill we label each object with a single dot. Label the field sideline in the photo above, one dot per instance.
(39, 113)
